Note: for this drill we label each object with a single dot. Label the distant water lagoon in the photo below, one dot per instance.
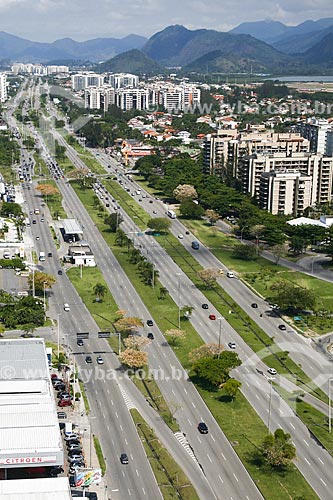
(309, 78)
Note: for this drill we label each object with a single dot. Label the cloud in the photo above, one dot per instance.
(48, 20)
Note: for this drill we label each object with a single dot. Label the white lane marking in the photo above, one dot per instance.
(323, 481)
(307, 461)
(292, 426)
(223, 456)
(320, 460)
(209, 458)
(143, 491)
(116, 413)
(212, 438)
(307, 444)
(193, 405)
(220, 478)
(137, 472)
(121, 428)
(185, 390)
(235, 477)
(189, 421)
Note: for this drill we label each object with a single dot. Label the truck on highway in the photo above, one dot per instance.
(41, 256)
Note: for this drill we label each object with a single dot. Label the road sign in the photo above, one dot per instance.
(104, 335)
(82, 335)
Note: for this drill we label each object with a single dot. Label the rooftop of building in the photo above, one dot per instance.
(36, 489)
(28, 418)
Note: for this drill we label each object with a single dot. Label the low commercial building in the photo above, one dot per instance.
(29, 430)
(71, 230)
(37, 489)
(81, 255)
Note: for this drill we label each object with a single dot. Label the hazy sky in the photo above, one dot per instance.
(48, 20)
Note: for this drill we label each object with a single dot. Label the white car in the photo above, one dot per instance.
(232, 345)
(272, 371)
(180, 236)
(99, 360)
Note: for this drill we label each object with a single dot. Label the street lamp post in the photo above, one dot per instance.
(220, 334)
(58, 335)
(179, 276)
(44, 294)
(329, 405)
(269, 408)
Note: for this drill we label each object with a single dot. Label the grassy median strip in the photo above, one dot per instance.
(232, 417)
(170, 478)
(128, 203)
(103, 313)
(251, 333)
(99, 453)
(316, 422)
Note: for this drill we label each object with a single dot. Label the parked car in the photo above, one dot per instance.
(60, 387)
(73, 442)
(75, 458)
(62, 414)
(55, 471)
(72, 435)
(124, 458)
(64, 402)
(202, 428)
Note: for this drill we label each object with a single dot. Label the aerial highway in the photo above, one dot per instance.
(257, 389)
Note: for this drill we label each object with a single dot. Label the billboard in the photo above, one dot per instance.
(86, 477)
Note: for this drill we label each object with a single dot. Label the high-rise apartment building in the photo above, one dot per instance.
(82, 81)
(252, 168)
(3, 87)
(121, 80)
(99, 97)
(316, 132)
(285, 193)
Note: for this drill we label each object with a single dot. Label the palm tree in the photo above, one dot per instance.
(100, 291)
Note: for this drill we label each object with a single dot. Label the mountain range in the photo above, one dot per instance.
(98, 49)
(263, 46)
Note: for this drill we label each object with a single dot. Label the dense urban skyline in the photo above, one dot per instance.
(48, 20)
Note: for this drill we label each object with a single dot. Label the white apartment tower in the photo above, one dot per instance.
(121, 80)
(99, 97)
(3, 87)
(82, 81)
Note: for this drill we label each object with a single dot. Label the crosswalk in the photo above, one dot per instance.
(128, 401)
(183, 441)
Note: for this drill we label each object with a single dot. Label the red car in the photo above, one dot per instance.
(212, 316)
(65, 402)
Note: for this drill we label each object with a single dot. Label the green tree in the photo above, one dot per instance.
(278, 449)
(190, 210)
(164, 292)
(100, 291)
(244, 252)
(113, 221)
(186, 311)
(291, 296)
(216, 370)
(231, 387)
(160, 224)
